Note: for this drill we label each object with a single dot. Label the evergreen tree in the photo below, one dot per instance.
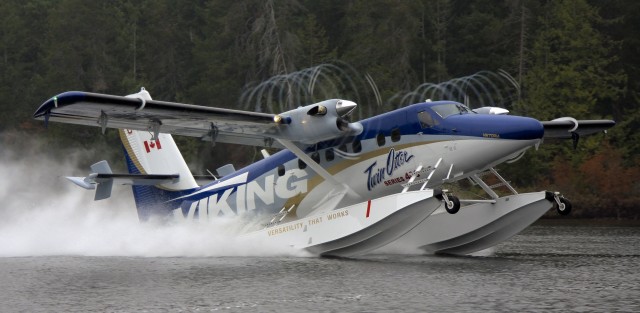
(623, 21)
(380, 38)
(21, 62)
(568, 75)
(569, 72)
(314, 44)
(438, 17)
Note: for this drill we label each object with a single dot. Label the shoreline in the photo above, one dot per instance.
(597, 222)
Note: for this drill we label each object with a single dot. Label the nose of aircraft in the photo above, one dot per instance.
(518, 127)
(499, 126)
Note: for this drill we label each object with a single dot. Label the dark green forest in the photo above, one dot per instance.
(573, 58)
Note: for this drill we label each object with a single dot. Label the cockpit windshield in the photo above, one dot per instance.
(448, 109)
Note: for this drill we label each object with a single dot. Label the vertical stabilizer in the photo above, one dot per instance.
(144, 155)
(157, 156)
(147, 153)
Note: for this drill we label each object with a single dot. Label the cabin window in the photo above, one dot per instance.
(280, 170)
(395, 134)
(301, 164)
(315, 157)
(380, 139)
(329, 155)
(357, 146)
(426, 120)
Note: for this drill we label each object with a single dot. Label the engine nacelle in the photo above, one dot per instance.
(317, 122)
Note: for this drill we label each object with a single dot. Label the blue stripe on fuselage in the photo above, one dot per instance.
(461, 125)
(254, 171)
(495, 126)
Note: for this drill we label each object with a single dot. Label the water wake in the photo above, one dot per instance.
(42, 214)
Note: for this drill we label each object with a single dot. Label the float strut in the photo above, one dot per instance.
(103, 121)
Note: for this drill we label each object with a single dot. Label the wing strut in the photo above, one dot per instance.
(313, 165)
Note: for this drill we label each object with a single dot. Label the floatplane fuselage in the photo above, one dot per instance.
(337, 187)
(376, 163)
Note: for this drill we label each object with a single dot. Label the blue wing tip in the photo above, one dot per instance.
(62, 99)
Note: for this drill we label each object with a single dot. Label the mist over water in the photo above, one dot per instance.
(43, 214)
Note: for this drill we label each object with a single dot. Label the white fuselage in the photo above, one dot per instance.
(375, 172)
(373, 164)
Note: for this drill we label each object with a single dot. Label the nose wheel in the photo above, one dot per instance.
(451, 203)
(563, 205)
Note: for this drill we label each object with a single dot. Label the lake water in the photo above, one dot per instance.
(546, 268)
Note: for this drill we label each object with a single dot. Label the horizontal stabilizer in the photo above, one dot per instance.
(103, 180)
(124, 179)
(138, 179)
(80, 181)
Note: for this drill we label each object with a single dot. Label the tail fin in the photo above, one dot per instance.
(160, 156)
(145, 155)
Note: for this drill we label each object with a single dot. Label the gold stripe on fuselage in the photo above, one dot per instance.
(344, 164)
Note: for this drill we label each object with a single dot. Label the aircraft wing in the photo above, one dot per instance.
(223, 125)
(564, 128)
(305, 125)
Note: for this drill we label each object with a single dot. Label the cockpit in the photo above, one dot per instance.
(439, 112)
(447, 109)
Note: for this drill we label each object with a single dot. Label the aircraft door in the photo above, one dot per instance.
(440, 142)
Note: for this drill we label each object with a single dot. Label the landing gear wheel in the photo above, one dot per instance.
(564, 208)
(452, 205)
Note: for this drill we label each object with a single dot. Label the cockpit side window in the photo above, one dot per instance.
(426, 120)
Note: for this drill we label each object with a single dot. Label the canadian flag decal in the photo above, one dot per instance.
(152, 144)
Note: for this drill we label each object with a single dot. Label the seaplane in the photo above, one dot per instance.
(335, 187)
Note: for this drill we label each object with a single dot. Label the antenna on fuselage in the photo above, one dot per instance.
(214, 176)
